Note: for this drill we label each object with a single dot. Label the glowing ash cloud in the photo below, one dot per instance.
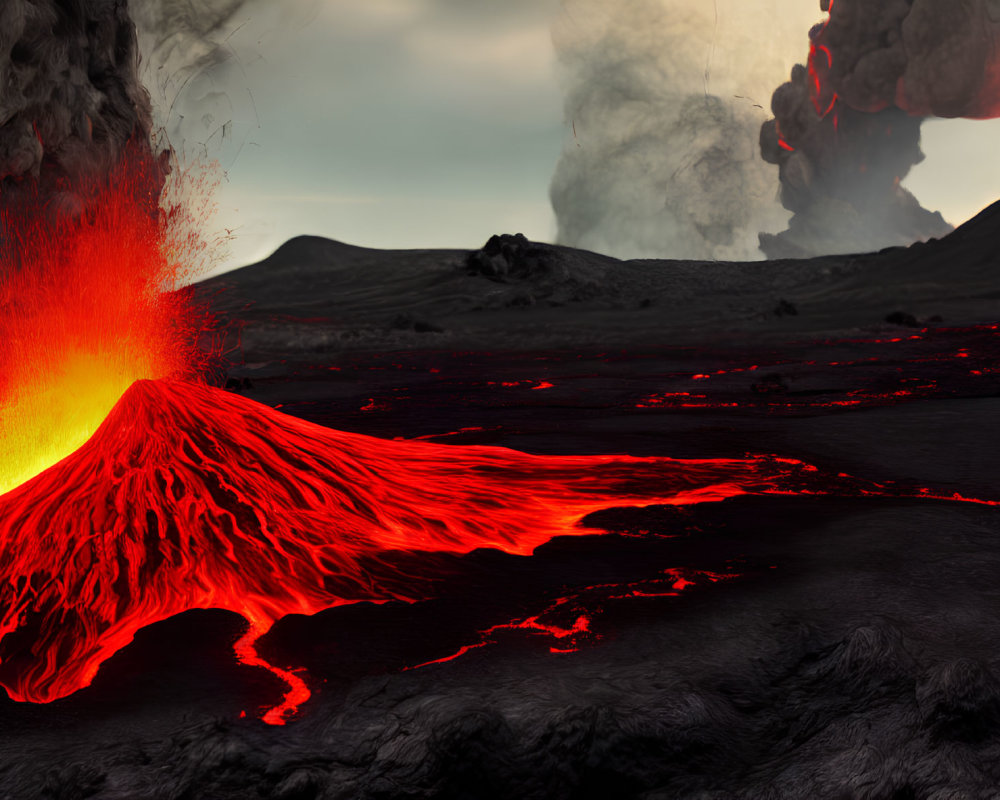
(847, 125)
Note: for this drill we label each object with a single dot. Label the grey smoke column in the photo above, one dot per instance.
(72, 93)
(847, 125)
(663, 157)
(70, 96)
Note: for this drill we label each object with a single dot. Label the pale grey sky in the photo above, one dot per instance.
(436, 123)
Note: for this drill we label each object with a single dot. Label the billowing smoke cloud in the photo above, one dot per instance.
(664, 98)
(847, 125)
(70, 96)
(927, 57)
(77, 79)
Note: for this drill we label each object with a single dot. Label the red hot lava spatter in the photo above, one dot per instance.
(192, 497)
(90, 301)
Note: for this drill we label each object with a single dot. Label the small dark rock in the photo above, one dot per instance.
(772, 383)
(960, 701)
(237, 384)
(509, 257)
(521, 300)
(404, 322)
(301, 784)
(785, 309)
(74, 782)
(903, 319)
(870, 657)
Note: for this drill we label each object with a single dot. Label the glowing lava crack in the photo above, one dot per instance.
(191, 497)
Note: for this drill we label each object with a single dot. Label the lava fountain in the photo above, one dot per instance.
(86, 311)
(89, 247)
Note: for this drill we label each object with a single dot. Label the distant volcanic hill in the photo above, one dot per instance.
(191, 497)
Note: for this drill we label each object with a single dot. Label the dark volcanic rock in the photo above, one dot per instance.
(509, 257)
(903, 319)
(772, 383)
(960, 700)
(319, 296)
(405, 322)
(784, 308)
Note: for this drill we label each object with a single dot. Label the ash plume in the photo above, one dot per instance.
(662, 100)
(70, 98)
(846, 130)
(82, 78)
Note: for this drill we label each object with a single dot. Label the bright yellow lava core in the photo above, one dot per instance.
(55, 416)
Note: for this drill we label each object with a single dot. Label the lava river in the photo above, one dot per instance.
(192, 497)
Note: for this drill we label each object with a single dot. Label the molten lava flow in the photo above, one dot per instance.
(84, 311)
(191, 497)
(567, 620)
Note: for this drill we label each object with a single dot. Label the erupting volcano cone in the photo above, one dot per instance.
(192, 497)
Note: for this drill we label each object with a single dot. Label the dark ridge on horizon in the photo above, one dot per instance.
(317, 250)
(315, 295)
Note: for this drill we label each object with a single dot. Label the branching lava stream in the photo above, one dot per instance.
(192, 497)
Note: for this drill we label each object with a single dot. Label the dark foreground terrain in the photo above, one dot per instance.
(761, 647)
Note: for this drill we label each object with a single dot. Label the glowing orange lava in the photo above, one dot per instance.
(192, 497)
(85, 310)
(546, 624)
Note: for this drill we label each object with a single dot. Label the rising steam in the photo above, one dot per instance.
(664, 100)
(202, 103)
(182, 46)
(73, 94)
